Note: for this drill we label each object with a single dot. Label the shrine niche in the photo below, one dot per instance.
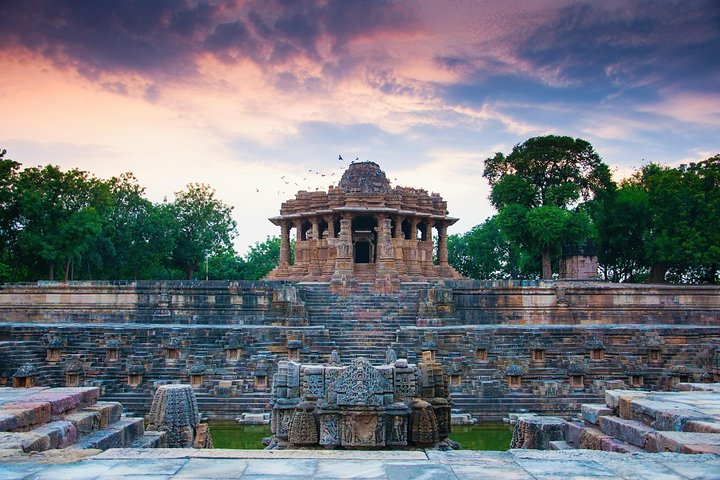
(363, 229)
(112, 350)
(54, 350)
(360, 406)
(25, 376)
(596, 348)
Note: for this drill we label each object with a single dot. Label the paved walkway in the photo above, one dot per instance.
(413, 465)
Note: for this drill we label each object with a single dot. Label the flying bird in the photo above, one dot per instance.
(257, 190)
(340, 157)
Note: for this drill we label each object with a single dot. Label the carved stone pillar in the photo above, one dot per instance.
(411, 259)
(386, 270)
(428, 230)
(315, 222)
(331, 226)
(398, 226)
(413, 228)
(284, 245)
(442, 244)
(343, 259)
(385, 247)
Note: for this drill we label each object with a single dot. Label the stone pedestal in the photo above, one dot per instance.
(537, 432)
(174, 410)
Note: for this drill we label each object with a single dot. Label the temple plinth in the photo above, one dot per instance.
(363, 229)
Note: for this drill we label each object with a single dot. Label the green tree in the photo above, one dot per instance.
(262, 258)
(484, 252)
(622, 218)
(204, 227)
(705, 178)
(227, 265)
(126, 248)
(684, 204)
(9, 213)
(549, 174)
(58, 215)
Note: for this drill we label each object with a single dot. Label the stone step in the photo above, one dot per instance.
(118, 435)
(62, 399)
(591, 412)
(57, 434)
(101, 414)
(685, 442)
(662, 414)
(615, 445)
(628, 431)
(150, 439)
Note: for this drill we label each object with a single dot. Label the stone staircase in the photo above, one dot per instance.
(365, 322)
(40, 418)
(495, 409)
(633, 421)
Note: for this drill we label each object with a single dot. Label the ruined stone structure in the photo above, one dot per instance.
(579, 262)
(364, 229)
(368, 282)
(227, 338)
(360, 406)
(633, 421)
(38, 419)
(174, 411)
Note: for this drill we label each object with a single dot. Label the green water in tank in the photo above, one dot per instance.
(486, 436)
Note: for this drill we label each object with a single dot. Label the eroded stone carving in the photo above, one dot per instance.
(360, 405)
(174, 410)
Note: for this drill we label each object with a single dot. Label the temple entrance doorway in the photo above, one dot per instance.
(364, 238)
(362, 252)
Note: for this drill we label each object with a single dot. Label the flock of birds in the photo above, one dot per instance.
(317, 176)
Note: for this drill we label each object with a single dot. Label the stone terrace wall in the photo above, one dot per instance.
(278, 303)
(230, 381)
(176, 302)
(583, 302)
(663, 334)
(477, 360)
(480, 357)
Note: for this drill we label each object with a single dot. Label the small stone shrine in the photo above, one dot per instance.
(363, 229)
(361, 406)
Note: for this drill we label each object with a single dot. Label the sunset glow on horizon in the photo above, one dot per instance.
(258, 98)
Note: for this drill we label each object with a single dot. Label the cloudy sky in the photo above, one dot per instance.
(240, 94)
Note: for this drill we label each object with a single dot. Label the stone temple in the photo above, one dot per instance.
(370, 275)
(364, 229)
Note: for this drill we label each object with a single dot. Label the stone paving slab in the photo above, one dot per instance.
(121, 453)
(8, 395)
(63, 399)
(317, 465)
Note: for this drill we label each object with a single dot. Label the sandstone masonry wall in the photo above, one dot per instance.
(230, 335)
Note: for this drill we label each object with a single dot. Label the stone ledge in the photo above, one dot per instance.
(124, 453)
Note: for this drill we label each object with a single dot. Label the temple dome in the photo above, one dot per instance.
(364, 177)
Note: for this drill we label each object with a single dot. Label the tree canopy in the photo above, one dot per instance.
(659, 225)
(70, 225)
(535, 188)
